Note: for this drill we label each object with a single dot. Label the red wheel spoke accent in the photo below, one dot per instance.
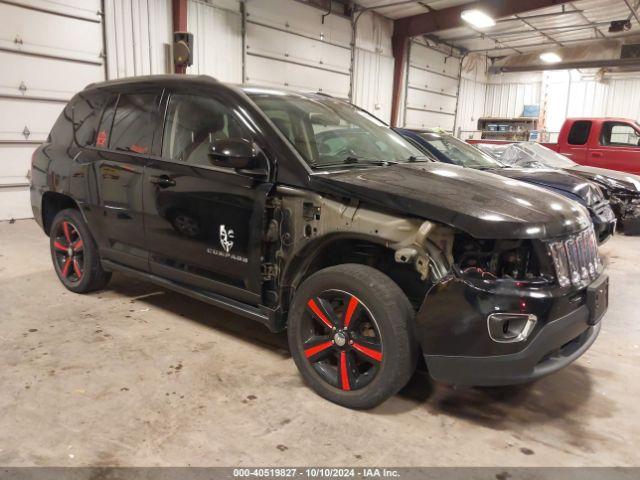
(76, 268)
(59, 246)
(351, 307)
(67, 267)
(67, 231)
(311, 351)
(318, 313)
(344, 371)
(78, 246)
(369, 352)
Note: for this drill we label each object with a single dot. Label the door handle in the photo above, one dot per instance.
(596, 155)
(163, 181)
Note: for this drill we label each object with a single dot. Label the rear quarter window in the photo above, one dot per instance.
(76, 126)
(579, 133)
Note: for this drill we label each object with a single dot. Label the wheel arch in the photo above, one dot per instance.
(52, 204)
(344, 248)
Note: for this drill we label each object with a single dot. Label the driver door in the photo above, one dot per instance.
(203, 224)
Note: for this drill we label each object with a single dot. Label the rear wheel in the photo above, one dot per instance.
(350, 334)
(74, 253)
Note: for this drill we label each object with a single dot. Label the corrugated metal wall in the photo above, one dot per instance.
(138, 35)
(507, 94)
(473, 91)
(570, 94)
(217, 31)
(373, 69)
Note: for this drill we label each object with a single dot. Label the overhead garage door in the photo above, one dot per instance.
(54, 49)
(432, 88)
(287, 45)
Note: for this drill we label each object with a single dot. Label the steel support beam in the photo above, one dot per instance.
(437, 20)
(179, 16)
(450, 17)
(400, 62)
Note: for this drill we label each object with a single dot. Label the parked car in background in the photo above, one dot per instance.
(621, 189)
(449, 149)
(612, 143)
(309, 215)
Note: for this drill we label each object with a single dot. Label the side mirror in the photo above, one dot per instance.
(233, 153)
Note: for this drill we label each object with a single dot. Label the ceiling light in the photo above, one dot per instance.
(477, 18)
(550, 57)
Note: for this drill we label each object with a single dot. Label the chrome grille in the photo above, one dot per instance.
(576, 259)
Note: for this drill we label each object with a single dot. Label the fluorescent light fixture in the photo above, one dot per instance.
(550, 57)
(477, 18)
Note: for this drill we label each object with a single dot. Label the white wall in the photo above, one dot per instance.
(48, 52)
(432, 88)
(138, 35)
(373, 70)
(473, 91)
(571, 94)
(287, 45)
(217, 30)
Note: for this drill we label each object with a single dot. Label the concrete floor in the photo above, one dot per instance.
(136, 375)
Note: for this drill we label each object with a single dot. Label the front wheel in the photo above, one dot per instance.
(350, 333)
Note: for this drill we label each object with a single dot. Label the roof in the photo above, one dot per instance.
(169, 79)
(574, 22)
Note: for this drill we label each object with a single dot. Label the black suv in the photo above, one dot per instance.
(304, 212)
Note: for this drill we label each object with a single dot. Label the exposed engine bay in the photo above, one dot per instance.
(512, 259)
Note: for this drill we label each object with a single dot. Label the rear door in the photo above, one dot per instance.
(204, 224)
(617, 147)
(124, 143)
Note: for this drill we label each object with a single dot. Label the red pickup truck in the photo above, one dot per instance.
(612, 143)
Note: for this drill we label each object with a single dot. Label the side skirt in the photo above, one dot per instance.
(268, 317)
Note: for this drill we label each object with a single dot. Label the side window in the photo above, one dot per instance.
(579, 133)
(192, 123)
(106, 122)
(87, 109)
(134, 123)
(619, 135)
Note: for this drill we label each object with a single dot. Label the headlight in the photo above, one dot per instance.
(576, 259)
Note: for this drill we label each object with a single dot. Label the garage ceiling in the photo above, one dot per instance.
(563, 25)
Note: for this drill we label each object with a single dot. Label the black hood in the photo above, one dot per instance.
(612, 180)
(567, 184)
(480, 203)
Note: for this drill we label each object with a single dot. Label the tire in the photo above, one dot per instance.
(351, 335)
(74, 253)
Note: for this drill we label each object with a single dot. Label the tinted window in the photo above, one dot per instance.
(619, 134)
(87, 109)
(579, 132)
(192, 123)
(104, 131)
(459, 152)
(328, 132)
(134, 123)
(62, 131)
(76, 125)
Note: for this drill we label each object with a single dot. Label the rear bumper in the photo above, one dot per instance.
(553, 348)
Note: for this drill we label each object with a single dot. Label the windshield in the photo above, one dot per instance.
(459, 152)
(531, 154)
(328, 132)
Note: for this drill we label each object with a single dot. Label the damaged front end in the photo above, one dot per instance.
(510, 311)
(626, 206)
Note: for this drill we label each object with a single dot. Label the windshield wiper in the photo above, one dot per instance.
(419, 158)
(356, 162)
